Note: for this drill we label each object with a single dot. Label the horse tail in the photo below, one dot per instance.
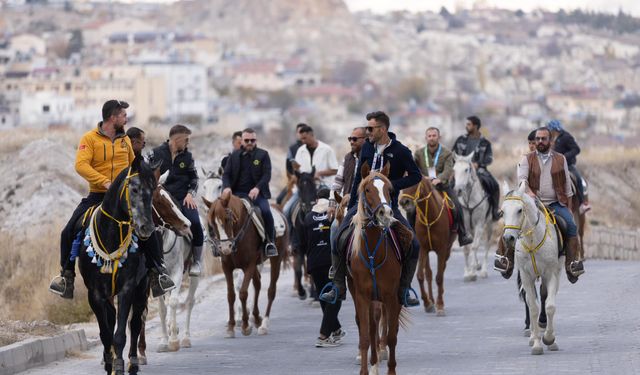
(286, 258)
(404, 318)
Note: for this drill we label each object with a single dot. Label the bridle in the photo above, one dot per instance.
(230, 216)
(468, 190)
(369, 212)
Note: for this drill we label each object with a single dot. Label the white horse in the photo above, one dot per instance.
(532, 233)
(477, 215)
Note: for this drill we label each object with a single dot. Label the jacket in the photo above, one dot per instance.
(566, 145)
(260, 171)
(183, 176)
(315, 239)
(444, 167)
(401, 163)
(558, 175)
(100, 160)
(483, 154)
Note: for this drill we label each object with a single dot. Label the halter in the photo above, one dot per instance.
(370, 212)
(232, 217)
(531, 250)
(423, 216)
(369, 261)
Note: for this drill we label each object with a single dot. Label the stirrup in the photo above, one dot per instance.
(55, 291)
(166, 277)
(405, 297)
(499, 259)
(330, 286)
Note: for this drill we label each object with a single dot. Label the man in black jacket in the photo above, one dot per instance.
(473, 141)
(236, 142)
(565, 144)
(247, 175)
(381, 147)
(182, 183)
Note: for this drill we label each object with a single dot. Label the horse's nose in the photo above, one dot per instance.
(509, 240)
(146, 230)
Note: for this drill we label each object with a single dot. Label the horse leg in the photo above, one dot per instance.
(486, 239)
(257, 285)
(299, 260)
(442, 265)
(136, 325)
(383, 326)
(142, 340)
(527, 319)
(174, 343)
(190, 302)
(271, 293)
(120, 338)
(101, 311)
(374, 322)
(431, 308)
(420, 275)
(244, 294)
(393, 319)
(549, 303)
(528, 282)
(164, 340)
(542, 319)
(231, 299)
(469, 273)
(362, 310)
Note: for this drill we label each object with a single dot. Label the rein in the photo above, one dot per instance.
(423, 215)
(231, 217)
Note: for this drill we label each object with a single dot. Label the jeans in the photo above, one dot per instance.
(267, 217)
(196, 227)
(563, 212)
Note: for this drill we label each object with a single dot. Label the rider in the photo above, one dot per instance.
(547, 176)
(236, 143)
(531, 138)
(475, 142)
(380, 148)
(247, 175)
(565, 144)
(182, 184)
(436, 162)
(102, 154)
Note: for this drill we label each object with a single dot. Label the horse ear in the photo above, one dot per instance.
(206, 202)
(364, 172)
(522, 188)
(337, 197)
(505, 187)
(385, 170)
(220, 171)
(204, 173)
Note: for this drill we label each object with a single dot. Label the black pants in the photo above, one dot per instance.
(491, 186)
(579, 186)
(152, 249)
(69, 231)
(330, 322)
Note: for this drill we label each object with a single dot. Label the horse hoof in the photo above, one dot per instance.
(440, 312)
(430, 308)
(142, 360)
(247, 331)
(537, 350)
(527, 332)
(383, 355)
(133, 367)
(262, 331)
(186, 342)
(554, 347)
(162, 348)
(531, 341)
(374, 369)
(548, 341)
(358, 359)
(315, 304)
(484, 274)
(470, 278)
(231, 333)
(174, 346)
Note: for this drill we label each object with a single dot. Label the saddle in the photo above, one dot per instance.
(279, 221)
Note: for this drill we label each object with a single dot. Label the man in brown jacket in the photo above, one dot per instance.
(436, 162)
(547, 175)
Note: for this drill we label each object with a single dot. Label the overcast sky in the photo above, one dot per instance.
(629, 6)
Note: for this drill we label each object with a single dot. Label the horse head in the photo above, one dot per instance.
(167, 214)
(307, 191)
(343, 203)
(464, 172)
(375, 197)
(212, 187)
(225, 227)
(519, 214)
(415, 195)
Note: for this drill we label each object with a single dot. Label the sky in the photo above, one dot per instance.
(380, 6)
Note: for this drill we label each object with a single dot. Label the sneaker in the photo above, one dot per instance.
(329, 342)
(585, 207)
(339, 334)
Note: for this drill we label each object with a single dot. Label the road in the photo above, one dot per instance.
(598, 331)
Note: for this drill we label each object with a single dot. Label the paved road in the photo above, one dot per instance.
(598, 331)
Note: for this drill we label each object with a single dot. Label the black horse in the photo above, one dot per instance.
(111, 265)
(306, 199)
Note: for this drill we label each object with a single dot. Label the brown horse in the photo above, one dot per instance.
(434, 234)
(232, 230)
(375, 269)
(579, 218)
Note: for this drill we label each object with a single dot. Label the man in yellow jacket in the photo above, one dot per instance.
(102, 154)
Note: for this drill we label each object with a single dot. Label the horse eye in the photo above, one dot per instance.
(519, 210)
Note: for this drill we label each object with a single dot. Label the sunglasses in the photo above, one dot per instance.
(354, 139)
(370, 128)
(542, 138)
(249, 140)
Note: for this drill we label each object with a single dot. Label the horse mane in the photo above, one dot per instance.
(359, 219)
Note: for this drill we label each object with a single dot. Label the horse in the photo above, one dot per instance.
(530, 232)
(212, 185)
(434, 234)
(579, 217)
(375, 271)
(477, 215)
(233, 232)
(166, 215)
(542, 318)
(110, 264)
(307, 197)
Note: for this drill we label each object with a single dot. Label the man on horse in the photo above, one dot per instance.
(436, 162)
(182, 184)
(247, 175)
(102, 154)
(547, 175)
(381, 147)
(236, 143)
(565, 144)
(475, 142)
(291, 156)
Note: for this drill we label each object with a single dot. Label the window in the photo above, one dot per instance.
(67, 86)
(45, 108)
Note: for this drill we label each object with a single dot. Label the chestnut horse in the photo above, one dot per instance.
(375, 269)
(434, 234)
(234, 233)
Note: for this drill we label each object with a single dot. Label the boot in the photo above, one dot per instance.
(464, 238)
(339, 289)
(496, 212)
(572, 265)
(196, 268)
(408, 270)
(159, 282)
(63, 285)
(504, 260)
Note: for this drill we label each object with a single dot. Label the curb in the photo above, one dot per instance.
(29, 353)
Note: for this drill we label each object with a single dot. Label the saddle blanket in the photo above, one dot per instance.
(279, 221)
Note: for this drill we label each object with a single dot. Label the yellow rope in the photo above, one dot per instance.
(423, 216)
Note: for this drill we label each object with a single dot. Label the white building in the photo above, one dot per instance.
(45, 108)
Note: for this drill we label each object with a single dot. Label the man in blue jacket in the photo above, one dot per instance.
(247, 175)
(381, 147)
